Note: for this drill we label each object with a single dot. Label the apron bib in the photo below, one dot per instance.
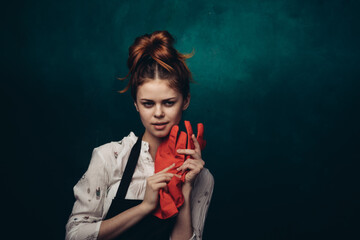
(150, 227)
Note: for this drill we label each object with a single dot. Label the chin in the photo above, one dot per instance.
(161, 134)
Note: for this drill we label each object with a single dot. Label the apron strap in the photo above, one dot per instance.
(129, 169)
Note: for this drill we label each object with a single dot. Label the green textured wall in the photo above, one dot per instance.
(278, 92)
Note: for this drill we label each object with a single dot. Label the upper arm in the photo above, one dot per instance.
(85, 219)
(200, 200)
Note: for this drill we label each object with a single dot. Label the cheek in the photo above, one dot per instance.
(176, 115)
(144, 115)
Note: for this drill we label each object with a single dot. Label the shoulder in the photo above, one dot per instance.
(114, 149)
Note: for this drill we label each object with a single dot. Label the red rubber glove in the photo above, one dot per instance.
(172, 198)
(190, 142)
(199, 138)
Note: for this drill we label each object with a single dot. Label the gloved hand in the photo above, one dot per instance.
(172, 198)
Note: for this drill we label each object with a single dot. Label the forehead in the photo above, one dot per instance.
(156, 90)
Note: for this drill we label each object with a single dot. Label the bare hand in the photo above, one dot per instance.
(194, 164)
(154, 184)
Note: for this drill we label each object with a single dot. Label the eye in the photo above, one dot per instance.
(148, 104)
(169, 103)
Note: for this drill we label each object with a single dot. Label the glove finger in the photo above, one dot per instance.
(200, 135)
(200, 131)
(181, 143)
(203, 145)
(172, 137)
(190, 143)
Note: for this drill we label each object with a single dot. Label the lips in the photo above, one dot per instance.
(162, 123)
(160, 126)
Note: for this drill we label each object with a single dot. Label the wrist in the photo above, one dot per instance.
(146, 208)
(186, 189)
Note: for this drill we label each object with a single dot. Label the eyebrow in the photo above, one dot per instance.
(167, 99)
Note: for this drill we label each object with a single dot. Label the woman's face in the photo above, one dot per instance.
(160, 107)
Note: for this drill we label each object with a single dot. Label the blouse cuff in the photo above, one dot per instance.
(193, 237)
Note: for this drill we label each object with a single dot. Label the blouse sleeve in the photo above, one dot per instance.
(200, 201)
(85, 219)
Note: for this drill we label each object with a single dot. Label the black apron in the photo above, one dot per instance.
(150, 227)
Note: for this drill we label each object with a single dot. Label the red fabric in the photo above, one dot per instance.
(172, 199)
(190, 142)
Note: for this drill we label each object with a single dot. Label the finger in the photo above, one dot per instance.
(189, 176)
(190, 167)
(158, 186)
(161, 178)
(165, 174)
(161, 174)
(191, 164)
(196, 161)
(168, 168)
(196, 143)
(156, 177)
(194, 154)
(186, 151)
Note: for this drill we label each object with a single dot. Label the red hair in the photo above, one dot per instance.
(153, 55)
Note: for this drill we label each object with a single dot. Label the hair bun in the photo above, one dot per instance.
(158, 46)
(154, 55)
(162, 38)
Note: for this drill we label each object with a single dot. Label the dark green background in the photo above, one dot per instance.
(277, 89)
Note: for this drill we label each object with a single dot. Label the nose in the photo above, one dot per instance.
(159, 113)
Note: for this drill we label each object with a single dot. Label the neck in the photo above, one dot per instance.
(154, 143)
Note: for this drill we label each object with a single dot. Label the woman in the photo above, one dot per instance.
(117, 201)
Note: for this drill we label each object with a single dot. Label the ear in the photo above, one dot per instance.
(186, 102)
(137, 109)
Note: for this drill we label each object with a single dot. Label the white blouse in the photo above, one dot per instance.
(97, 188)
